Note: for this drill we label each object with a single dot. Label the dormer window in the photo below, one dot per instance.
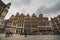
(40, 15)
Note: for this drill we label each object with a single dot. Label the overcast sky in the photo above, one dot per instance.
(49, 8)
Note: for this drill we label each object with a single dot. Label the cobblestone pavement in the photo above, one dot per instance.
(30, 37)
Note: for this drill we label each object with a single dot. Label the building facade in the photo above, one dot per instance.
(16, 24)
(21, 23)
(44, 26)
(30, 24)
(56, 24)
(3, 12)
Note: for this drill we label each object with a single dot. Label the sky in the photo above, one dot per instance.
(49, 8)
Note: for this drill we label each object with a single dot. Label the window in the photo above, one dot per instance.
(0, 20)
(14, 23)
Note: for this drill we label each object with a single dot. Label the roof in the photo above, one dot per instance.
(2, 4)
